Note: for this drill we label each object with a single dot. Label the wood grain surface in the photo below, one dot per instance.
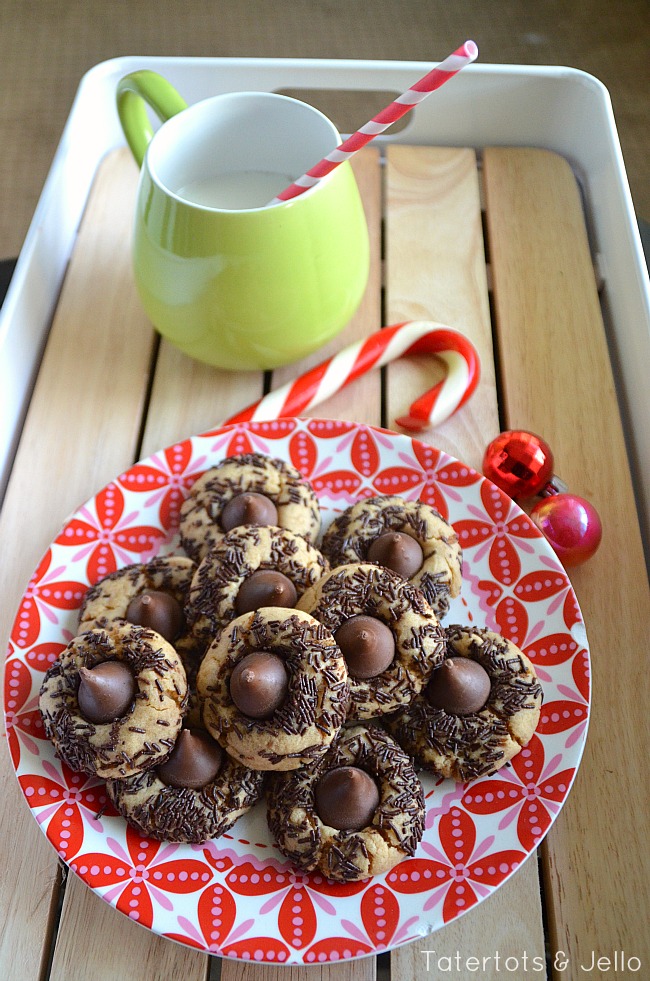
(81, 430)
(109, 392)
(557, 380)
(435, 269)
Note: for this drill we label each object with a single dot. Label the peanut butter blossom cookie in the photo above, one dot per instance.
(249, 489)
(274, 689)
(387, 633)
(251, 567)
(196, 794)
(408, 537)
(113, 701)
(149, 594)
(481, 706)
(356, 813)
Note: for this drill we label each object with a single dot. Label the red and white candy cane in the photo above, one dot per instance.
(385, 345)
(463, 56)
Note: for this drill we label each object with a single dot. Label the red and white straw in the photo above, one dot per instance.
(463, 56)
(412, 337)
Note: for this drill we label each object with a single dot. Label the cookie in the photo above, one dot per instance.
(151, 594)
(473, 717)
(114, 597)
(277, 494)
(387, 632)
(196, 795)
(292, 702)
(249, 568)
(113, 701)
(374, 838)
(409, 537)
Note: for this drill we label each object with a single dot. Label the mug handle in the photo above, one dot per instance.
(133, 91)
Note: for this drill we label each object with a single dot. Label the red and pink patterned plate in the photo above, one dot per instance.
(237, 896)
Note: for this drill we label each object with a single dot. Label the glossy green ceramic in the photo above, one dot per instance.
(241, 289)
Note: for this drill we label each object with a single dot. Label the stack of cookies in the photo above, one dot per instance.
(269, 659)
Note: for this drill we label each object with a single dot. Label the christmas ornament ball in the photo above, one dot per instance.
(519, 463)
(571, 525)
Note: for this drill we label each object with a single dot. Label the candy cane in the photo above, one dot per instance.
(333, 374)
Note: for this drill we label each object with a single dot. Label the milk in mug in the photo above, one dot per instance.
(235, 191)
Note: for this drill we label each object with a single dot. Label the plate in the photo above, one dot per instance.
(236, 896)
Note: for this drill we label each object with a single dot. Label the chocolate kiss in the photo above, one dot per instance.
(105, 691)
(460, 686)
(194, 762)
(157, 611)
(367, 645)
(259, 684)
(346, 798)
(266, 587)
(398, 552)
(248, 509)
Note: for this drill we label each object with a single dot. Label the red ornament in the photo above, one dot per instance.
(520, 463)
(571, 525)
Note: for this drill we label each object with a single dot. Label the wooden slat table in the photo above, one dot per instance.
(108, 393)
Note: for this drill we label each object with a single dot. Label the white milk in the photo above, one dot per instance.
(235, 191)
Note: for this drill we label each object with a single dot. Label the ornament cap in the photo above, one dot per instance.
(555, 486)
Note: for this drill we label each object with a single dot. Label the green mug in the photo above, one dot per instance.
(223, 275)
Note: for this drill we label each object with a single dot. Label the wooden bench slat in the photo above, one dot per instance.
(557, 382)
(362, 402)
(435, 270)
(88, 390)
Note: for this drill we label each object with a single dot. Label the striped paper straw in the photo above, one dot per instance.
(463, 56)
(385, 345)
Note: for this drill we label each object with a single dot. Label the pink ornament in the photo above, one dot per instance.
(571, 525)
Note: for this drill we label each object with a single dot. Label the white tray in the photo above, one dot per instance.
(561, 109)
